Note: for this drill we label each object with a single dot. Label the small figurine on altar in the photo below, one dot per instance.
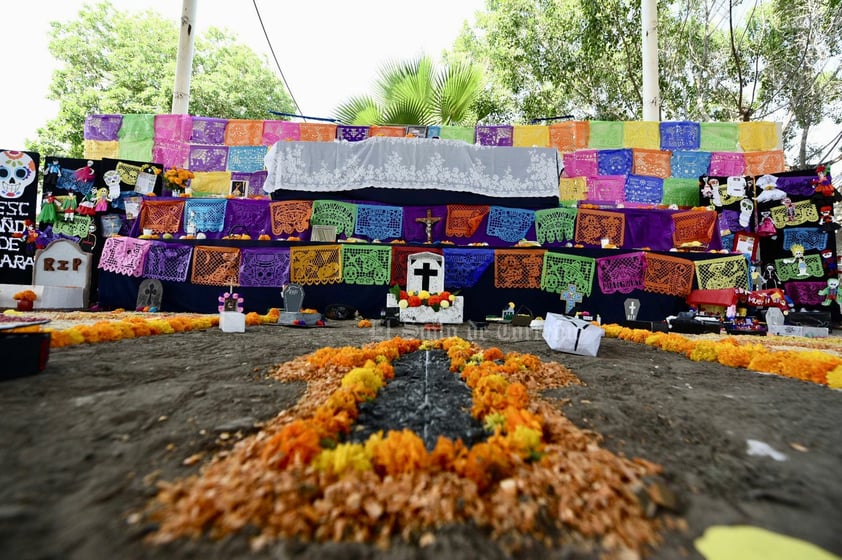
(52, 170)
(831, 291)
(766, 228)
(798, 257)
(68, 207)
(790, 209)
(85, 174)
(829, 262)
(826, 220)
(822, 187)
(102, 200)
(770, 277)
(30, 237)
(48, 214)
(86, 207)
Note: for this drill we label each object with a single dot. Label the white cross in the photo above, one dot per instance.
(632, 307)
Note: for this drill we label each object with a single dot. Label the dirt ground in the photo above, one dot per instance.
(83, 443)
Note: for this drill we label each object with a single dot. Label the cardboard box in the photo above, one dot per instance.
(571, 335)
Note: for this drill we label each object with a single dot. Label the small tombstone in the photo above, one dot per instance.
(293, 295)
(632, 307)
(65, 272)
(425, 271)
(149, 294)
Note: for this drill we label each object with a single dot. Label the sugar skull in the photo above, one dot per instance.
(17, 171)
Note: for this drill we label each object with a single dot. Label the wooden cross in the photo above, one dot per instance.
(428, 222)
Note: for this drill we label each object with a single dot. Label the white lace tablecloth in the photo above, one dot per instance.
(413, 163)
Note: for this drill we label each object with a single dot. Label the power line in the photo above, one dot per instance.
(272, 50)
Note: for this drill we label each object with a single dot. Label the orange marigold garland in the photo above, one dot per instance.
(812, 365)
(297, 479)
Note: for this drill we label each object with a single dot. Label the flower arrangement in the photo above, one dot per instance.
(25, 295)
(498, 484)
(435, 300)
(177, 179)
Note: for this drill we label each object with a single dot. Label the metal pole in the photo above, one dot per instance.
(651, 91)
(184, 59)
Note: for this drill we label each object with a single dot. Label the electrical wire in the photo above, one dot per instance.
(272, 50)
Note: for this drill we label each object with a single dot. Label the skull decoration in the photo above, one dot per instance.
(17, 171)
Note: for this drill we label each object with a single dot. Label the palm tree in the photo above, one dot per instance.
(416, 92)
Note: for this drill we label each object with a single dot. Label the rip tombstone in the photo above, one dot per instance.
(632, 307)
(293, 295)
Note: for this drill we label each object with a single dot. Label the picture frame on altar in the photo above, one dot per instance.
(323, 233)
(746, 243)
(132, 206)
(239, 189)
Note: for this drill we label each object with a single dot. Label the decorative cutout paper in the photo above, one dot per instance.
(592, 226)
(379, 222)
(646, 190)
(316, 265)
(574, 188)
(641, 134)
(561, 271)
(555, 224)
(264, 268)
(606, 134)
(614, 162)
(161, 216)
(464, 220)
(681, 192)
(668, 275)
(689, 165)
(518, 268)
(494, 135)
(464, 267)
(693, 226)
(216, 266)
(509, 224)
(569, 136)
(607, 188)
(680, 135)
(581, 163)
(758, 136)
(799, 269)
(652, 163)
(805, 293)
(206, 214)
(334, 213)
(621, 273)
(727, 272)
(531, 135)
(124, 255)
(759, 163)
(799, 213)
(809, 238)
(368, 265)
(290, 216)
(280, 131)
(167, 261)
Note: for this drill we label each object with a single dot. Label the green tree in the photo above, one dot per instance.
(117, 62)
(417, 92)
(720, 60)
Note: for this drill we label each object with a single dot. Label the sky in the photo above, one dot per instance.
(356, 37)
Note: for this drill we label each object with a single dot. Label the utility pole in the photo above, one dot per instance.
(651, 90)
(184, 59)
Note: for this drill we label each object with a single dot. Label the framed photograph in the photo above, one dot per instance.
(133, 207)
(239, 189)
(746, 243)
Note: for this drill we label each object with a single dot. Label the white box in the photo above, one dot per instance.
(571, 335)
(232, 321)
(425, 314)
(794, 330)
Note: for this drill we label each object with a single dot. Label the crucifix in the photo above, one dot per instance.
(428, 222)
(425, 272)
(571, 296)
